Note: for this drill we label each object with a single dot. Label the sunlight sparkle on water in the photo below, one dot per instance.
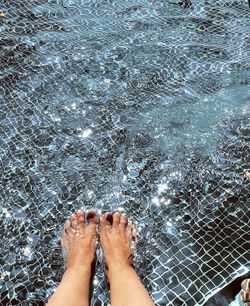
(86, 133)
(162, 188)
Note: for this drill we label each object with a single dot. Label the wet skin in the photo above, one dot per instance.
(78, 241)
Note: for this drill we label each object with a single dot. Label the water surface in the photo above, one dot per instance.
(136, 106)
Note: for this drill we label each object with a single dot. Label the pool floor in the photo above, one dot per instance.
(136, 106)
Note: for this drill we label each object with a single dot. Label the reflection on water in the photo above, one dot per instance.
(137, 106)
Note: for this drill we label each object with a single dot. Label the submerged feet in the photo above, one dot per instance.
(79, 242)
(80, 234)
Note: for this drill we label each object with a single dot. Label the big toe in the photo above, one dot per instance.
(92, 220)
(92, 217)
(107, 220)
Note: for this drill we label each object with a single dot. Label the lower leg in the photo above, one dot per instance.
(73, 289)
(126, 288)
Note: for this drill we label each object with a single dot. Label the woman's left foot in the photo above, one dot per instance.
(79, 239)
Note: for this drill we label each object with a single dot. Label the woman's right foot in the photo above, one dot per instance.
(116, 239)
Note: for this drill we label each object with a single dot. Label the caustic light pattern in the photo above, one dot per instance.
(136, 106)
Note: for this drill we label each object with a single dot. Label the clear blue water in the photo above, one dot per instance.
(136, 106)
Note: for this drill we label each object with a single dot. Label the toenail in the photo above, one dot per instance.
(91, 213)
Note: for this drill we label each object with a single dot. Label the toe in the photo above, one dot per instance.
(123, 220)
(67, 228)
(129, 229)
(80, 219)
(64, 240)
(92, 217)
(107, 220)
(66, 234)
(73, 221)
(116, 219)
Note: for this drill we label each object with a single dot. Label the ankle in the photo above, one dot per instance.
(80, 269)
(116, 267)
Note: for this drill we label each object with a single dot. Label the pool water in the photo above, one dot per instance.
(135, 106)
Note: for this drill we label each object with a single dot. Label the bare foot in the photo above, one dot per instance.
(116, 238)
(79, 239)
